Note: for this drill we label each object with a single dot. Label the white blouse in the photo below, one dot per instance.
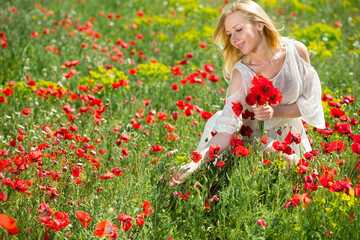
(298, 82)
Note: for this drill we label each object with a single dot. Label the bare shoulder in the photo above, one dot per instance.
(235, 82)
(302, 50)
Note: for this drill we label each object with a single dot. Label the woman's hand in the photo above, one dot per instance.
(178, 178)
(263, 113)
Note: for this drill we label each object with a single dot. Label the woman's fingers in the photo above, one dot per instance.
(177, 179)
(263, 113)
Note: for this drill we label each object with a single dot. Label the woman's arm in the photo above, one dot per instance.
(268, 112)
(222, 139)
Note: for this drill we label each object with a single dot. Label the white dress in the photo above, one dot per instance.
(298, 82)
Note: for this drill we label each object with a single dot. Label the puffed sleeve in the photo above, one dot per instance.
(309, 101)
(228, 121)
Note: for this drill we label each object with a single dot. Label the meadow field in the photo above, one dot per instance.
(99, 99)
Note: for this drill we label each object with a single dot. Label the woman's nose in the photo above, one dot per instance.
(234, 38)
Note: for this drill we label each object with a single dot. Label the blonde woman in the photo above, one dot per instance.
(251, 45)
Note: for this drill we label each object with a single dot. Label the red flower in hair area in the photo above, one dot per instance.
(9, 224)
(213, 150)
(125, 222)
(26, 111)
(196, 156)
(106, 229)
(84, 218)
(237, 108)
(147, 210)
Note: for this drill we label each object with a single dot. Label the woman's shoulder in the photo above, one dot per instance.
(299, 47)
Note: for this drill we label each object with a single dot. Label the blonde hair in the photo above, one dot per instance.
(254, 14)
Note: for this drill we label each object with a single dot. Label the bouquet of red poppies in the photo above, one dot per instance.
(263, 92)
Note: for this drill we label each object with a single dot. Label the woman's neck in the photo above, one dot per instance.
(263, 53)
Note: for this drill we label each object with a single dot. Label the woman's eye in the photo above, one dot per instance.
(239, 30)
(229, 35)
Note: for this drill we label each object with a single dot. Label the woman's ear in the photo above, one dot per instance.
(260, 26)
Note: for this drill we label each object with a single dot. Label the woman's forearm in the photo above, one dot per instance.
(286, 111)
(222, 139)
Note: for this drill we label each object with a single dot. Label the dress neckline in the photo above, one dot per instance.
(283, 66)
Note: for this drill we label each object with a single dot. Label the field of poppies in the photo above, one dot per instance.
(98, 99)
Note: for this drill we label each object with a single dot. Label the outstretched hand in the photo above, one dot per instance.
(263, 113)
(178, 178)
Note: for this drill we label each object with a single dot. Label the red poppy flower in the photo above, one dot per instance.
(213, 150)
(242, 151)
(214, 78)
(355, 147)
(266, 161)
(45, 209)
(147, 210)
(107, 176)
(206, 115)
(337, 145)
(246, 131)
(266, 88)
(264, 140)
(220, 164)
(150, 119)
(248, 114)
(196, 156)
(170, 127)
(157, 148)
(348, 99)
(106, 229)
(237, 108)
(275, 97)
(209, 68)
(140, 219)
(261, 222)
(9, 224)
(259, 80)
(125, 222)
(162, 116)
(236, 141)
(84, 218)
(293, 137)
(303, 166)
(26, 111)
(336, 113)
(8, 91)
(327, 97)
(250, 99)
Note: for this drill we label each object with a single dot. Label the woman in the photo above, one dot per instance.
(251, 46)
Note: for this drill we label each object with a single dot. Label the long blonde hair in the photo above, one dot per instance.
(254, 14)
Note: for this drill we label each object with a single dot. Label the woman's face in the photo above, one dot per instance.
(243, 34)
